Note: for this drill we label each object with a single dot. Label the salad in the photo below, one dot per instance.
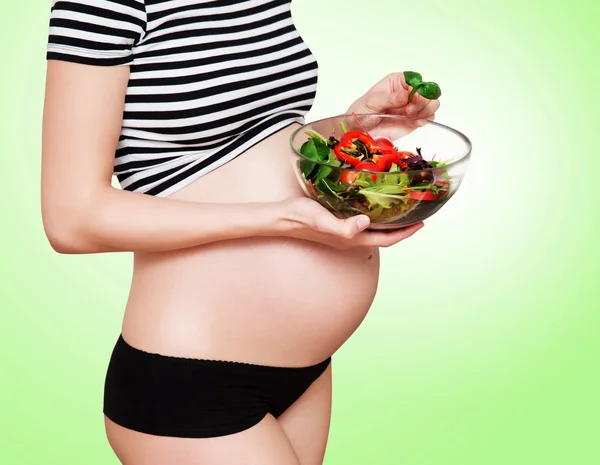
(358, 173)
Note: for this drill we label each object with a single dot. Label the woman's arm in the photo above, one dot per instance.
(82, 212)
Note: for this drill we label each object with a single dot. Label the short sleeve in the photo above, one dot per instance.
(95, 32)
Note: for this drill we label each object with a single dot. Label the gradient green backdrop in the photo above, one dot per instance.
(482, 345)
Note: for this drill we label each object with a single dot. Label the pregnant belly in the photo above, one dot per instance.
(276, 301)
(280, 302)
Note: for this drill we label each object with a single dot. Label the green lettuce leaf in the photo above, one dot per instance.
(317, 150)
(384, 191)
(383, 199)
(314, 135)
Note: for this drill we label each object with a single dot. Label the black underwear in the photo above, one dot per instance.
(193, 398)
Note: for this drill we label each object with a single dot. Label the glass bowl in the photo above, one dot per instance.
(430, 168)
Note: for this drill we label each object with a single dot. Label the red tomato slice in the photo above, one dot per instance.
(428, 195)
(423, 195)
(383, 142)
(378, 164)
(349, 176)
(368, 166)
(390, 156)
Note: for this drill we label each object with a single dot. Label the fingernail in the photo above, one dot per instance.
(362, 223)
(411, 108)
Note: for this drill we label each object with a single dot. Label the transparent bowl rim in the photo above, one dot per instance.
(462, 159)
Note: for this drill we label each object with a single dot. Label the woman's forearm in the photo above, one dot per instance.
(120, 221)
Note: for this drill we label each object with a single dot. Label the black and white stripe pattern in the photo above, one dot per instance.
(209, 79)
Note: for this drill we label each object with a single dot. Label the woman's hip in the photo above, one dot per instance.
(197, 398)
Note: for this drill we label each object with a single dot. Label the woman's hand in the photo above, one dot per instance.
(390, 95)
(303, 218)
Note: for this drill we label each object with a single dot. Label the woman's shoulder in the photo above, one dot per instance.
(95, 32)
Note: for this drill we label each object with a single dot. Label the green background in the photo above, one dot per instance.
(482, 345)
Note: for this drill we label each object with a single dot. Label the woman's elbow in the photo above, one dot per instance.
(65, 234)
(63, 240)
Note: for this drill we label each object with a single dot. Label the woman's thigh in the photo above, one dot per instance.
(263, 444)
(306, 422)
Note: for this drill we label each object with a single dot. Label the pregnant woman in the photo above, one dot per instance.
(221, 358)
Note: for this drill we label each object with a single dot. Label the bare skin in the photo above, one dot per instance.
(224, 269)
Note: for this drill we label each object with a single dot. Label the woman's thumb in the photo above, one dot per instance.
(347, 228)
(384, 101)
(358, 223)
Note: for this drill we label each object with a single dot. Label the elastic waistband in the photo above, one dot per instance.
(123, 345)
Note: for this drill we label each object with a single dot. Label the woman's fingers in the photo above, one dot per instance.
(390, 95)
(307, 219)
(385, 239)
(429, 110)
(420, 108)
(383, 102)
(351, 232)
(416, 106)
(403, 81)
(327, 223)
(395, 82)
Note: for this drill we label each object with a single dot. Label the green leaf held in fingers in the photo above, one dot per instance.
(429, 90)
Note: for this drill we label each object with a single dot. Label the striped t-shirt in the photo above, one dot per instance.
(209, 79)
